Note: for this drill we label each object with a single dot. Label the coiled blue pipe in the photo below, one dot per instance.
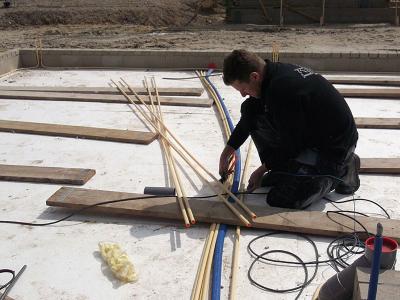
(219, 246)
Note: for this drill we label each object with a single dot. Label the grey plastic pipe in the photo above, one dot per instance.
(341, 285)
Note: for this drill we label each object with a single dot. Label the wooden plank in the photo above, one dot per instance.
(214, 211)
(55, 96)
(7, 297)
(378, 123)
(104, 90)
(126, 136)
(370, 92)
(45, 174)
(380, 165)
(388, 284)
(371, 80)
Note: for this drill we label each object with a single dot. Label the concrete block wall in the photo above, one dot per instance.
(336, 11)
(308, 3)
(162, 59)
(9, 61)
(191, 60)
(332, 16)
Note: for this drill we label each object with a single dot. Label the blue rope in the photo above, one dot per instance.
(219, 246)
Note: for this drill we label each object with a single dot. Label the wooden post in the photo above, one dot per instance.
(322, 19)
(281, 14)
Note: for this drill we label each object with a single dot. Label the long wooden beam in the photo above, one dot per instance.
(370, 92)
(104, 98)
(103, 90)
(45, 174)
(370, 80)
(378, 123)
(380, 165)
(212, 211)
(126, 136)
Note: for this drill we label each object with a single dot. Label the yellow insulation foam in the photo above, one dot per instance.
(118, 261)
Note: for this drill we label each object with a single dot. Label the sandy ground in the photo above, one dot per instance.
(381, 38)
(174, 24)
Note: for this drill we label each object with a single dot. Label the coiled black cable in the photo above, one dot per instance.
(338, 250)
(263, 257)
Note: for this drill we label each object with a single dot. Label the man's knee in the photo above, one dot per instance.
(300, 194)
(278, 198)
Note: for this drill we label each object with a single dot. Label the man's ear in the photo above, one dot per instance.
(255, 76)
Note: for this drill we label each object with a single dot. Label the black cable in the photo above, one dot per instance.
(359, 199)
(262, 257)
(338, 250)
(342, 213)
(263, 287)
(12, 272)
(12, 282)
(115, 201)
(109, 202)
(307, 175)
(191, 77)
(336, 246)
(313, 262)
(94, 205)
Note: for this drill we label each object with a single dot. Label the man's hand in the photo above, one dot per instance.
(255, 178)
(226, 161)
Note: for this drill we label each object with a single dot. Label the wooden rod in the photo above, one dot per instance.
(151, 99)
(203, 254)
(235, 258)
(203, 262)
(235, 265)
(169, 163)
(207, 272)
(219, 184)
(190, 163)
(246, 167)
(181, 192)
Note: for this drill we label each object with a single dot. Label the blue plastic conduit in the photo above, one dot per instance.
(219, 246)
(376, 263)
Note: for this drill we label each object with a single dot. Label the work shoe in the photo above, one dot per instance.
(351, 181)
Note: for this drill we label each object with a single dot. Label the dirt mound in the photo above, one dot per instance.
(150, 13)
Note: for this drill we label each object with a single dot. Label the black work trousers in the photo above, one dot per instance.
(304, 180)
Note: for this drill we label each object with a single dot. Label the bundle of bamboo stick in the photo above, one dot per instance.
(158, 125)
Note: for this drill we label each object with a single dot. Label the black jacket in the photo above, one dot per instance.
(298, 109)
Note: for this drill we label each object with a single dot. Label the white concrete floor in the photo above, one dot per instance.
(63, 260)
